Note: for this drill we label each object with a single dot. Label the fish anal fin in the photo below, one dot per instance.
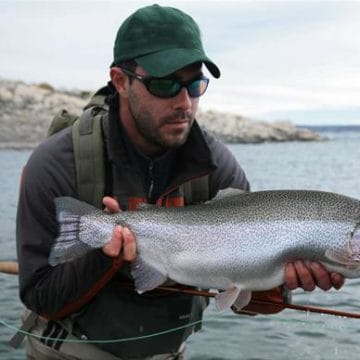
(146, 277)
(225, 299)
(243, 299)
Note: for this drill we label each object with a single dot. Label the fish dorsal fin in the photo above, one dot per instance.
(228, 193)
(225, 197)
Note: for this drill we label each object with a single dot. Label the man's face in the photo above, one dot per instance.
(163, 123)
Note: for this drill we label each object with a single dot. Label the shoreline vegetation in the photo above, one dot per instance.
(27, 110)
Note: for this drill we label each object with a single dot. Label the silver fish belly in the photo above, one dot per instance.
(238, 242)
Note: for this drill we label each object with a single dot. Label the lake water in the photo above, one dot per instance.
(333, 165)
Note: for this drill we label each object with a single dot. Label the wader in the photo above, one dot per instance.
(40, 348)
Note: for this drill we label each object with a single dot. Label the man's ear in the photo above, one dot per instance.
(120, 81)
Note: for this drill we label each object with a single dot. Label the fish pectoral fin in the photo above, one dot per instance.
(146, 277)
(243, 299)
(225, 299)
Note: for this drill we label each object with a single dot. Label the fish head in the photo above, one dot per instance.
(345, 258)
(354, 243)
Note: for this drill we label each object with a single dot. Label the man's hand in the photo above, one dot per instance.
(122, 240)
(310, 274)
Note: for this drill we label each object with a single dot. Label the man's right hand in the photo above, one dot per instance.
(123, 240)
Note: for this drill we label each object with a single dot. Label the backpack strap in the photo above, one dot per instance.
(196, 190)
(89, 156)
(61, 120)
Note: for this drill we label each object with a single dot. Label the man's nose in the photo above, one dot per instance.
(183, 100)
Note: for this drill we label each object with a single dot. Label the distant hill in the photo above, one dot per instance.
(332, 128)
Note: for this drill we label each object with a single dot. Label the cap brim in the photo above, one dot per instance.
(164, 63)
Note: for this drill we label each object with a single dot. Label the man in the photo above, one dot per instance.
(155, 152)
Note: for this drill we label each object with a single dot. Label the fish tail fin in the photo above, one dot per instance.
(68, 244)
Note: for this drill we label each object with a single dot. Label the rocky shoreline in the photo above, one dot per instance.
(27, 109)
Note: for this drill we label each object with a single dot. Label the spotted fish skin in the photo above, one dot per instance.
(237, 242)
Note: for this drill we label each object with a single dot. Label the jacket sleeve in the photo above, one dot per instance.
(52, 291)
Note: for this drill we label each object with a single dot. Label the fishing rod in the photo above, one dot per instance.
(305, 308)
(11, 267)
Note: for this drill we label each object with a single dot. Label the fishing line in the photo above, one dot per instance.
(164, 332)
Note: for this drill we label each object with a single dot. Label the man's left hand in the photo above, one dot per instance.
(310, 274)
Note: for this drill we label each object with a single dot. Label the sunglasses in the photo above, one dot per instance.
(170, 87)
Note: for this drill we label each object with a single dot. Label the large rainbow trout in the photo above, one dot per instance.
(237, 242)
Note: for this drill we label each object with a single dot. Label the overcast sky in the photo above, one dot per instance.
(297, 60)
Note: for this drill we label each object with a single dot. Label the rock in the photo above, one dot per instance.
(27, 110)
(238, 129)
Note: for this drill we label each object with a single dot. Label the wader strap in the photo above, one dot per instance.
(27, 325)
(89, 158)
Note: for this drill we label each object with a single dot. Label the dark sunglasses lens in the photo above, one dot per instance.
(167, 88)
(198, 87)
(163, 87)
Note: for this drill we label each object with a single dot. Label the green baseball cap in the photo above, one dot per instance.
(161, 40)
